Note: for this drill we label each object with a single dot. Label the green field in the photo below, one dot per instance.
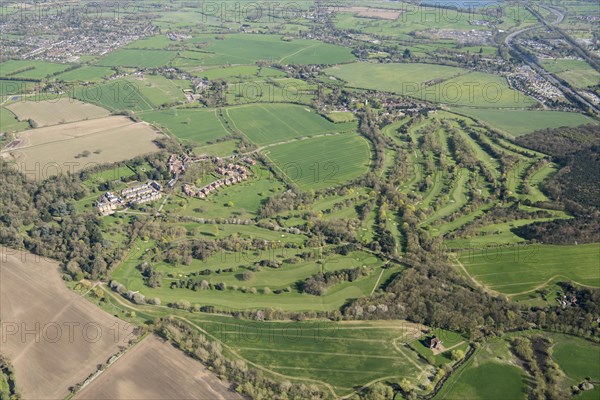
(521, 122)
(341, 116)
(85, 74)
(138, 58)
(514, 269)
(246, 197)
(246, 49)
(342, 355)
(490, 381)
(476, 89)
(196, 125)
(577, 358)
(221, 149)
(31, 69)
(577, 72)
(278, 90)
(238, 73)
(9, 121)
(404, 79)
(158, 90)
(234, 298)
(322, 162)
(119, 94)
(491, 373)
(273, 123)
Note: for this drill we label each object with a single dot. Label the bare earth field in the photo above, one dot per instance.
(378, 13)
(154, 369)
(53, 112)
(78, 145)
(53, 337)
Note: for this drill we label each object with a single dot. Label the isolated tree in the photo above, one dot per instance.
(247, 275)
(405, 385)
(183, 304)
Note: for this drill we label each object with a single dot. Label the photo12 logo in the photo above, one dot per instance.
(64, 332)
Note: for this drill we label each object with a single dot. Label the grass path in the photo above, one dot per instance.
(377, 283)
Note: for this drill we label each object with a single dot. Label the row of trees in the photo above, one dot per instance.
(535, 352)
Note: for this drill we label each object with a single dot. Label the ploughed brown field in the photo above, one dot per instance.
(53, 112)
(54, 337)
(154, 369)
(72, 147)
(378, 13)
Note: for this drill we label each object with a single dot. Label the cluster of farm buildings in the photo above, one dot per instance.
(109, 202)
(233, 173)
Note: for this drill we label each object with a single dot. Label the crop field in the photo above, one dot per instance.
(246, 49)
(88, 73)
(158, 90)
(318, 162)
(138, 58)
(274, 123)
(407, 79)
(278, 90)
(238, 73)
(33, 295)
(53, 112)
(194, 125)
(117, 95)
(577, 72)
(341, 116)
(161, 372)
(75, 146)
(30, 69)
(339, 355)
(219, 149)
(9, 121)
(514, 269)
(521, 122)
(577, 358)
(476, 89)
(376, 13)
